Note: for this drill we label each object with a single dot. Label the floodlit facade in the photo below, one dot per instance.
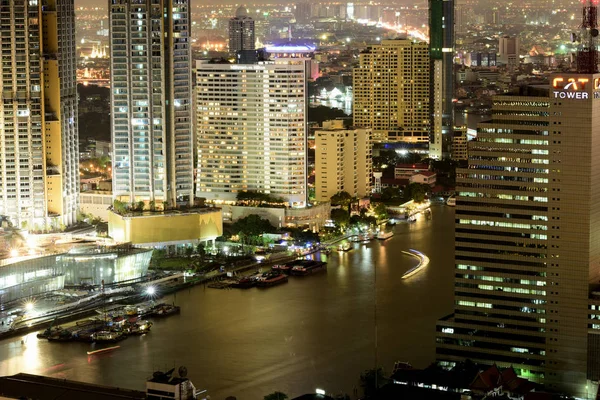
(39, 158)
(241, 32)
(391, 91)
(528, 239)
(343, 161)
(441, 47)
(151, 100)
(251, 121)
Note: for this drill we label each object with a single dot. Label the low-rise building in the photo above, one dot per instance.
(424, 178)
(169, 228)
(95, 203)
(313, 217)
(343, 161)
(405, 171)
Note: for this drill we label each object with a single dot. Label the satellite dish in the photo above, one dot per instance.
(182, 371)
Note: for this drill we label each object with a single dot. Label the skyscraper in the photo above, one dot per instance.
(39, 173)
(151, 101)
(391, 91)
(251, 121)
(241, 32)
(441, 47)
(528, 238)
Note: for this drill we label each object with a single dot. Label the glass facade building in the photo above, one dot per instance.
(151, 101)
(527, 239)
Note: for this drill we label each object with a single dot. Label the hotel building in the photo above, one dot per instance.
(39, 173)
(391, 91)
(251, 121)
(343, 161)
(241, 32)
(528, 239)
(151, 100)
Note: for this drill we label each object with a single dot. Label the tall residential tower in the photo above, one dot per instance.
(39, 173)
(391, 91)
(151, 101)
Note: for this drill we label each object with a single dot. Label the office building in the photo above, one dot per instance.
(459, 151)
(251, 121)
(391, 91)
(303, 12)
(151, 102)
(343, 161)
(39, 158)
(441, 53)
(241, 32)
(508, 49)
(528, 239)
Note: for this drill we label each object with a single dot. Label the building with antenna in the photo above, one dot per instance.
(527, 251)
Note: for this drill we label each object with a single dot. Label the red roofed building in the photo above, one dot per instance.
(405, 171)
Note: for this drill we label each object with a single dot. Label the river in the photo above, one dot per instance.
(313, 332)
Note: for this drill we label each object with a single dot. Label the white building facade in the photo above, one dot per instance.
(251, 128)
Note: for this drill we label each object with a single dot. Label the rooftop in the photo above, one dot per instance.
(45, 388)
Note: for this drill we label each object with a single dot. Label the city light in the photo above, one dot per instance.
(14, 253)
(150, 291)
(320, 392)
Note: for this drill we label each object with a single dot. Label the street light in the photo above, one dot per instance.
(151, 290)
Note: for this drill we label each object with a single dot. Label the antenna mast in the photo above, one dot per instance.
(587, 52)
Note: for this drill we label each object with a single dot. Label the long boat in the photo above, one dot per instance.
(307, 267)
(272, 279)
(104, 350)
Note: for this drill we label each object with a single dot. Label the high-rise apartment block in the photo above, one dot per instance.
(241, 32)
(508, 51)
(251, 121)
(441, 53)
(528, 238)
(343, 161)
(39, 160)
(151, 101)
(391, 91)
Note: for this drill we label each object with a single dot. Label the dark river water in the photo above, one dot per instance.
(313, 332)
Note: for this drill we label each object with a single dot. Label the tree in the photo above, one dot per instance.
(340, 217)
(416, 192)
(389, 193)
(119, 207)
(139, 206)
(371, 380)
(276, 396)
(253, 225)
(343, 199)
(380, 211)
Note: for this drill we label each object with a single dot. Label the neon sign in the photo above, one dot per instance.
(574, 87)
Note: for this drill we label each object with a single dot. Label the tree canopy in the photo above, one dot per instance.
(276, 396)
(253, 225)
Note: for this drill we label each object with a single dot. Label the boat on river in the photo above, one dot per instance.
(272, 279)
(245, 283)
(284, 268)
(307, 267)
(382, 235)
(164, 310)
(344, 246)
(451, 201)
(107, 337)
(104, 350)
